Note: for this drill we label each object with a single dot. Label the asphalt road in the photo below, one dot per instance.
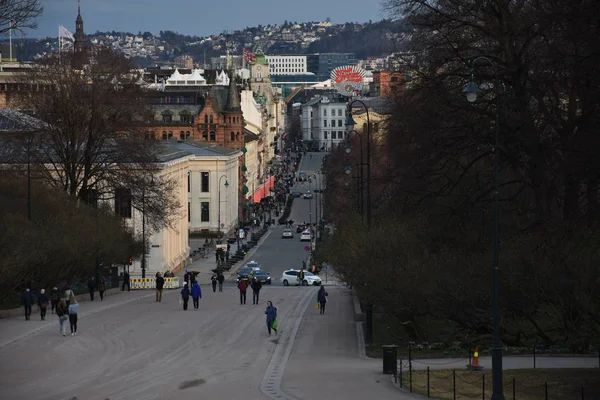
(277, 254)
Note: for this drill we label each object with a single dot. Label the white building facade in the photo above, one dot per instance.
(287, 65)
(323, 121)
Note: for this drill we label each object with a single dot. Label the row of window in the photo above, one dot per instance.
(186, 118)
(334, 134)
(340, 123)
(206, 136)
(340, 112)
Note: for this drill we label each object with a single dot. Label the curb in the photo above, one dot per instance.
(251, 252)
(359, 316)
(88, 314)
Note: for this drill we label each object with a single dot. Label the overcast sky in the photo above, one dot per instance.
(197, 17)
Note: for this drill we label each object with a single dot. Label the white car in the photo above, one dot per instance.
(253, 265)
(290, 277)
(305, 236)
(287, 233)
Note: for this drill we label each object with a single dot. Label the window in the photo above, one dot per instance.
(123, 202)
(324, 123)
(182, 135)
(185, 117)
(206, 119)
(324, 112)
(204, 214)
(187, 134)
(325, 135)
(91, 197)
(339, 112)
(232, 136)
(189, 182)
(204, 180)
(205, 135)
(376, 127)
(189, 212)
(167, 118)
(340, 123)
(164, 136)
(212, 136)
(210, 119)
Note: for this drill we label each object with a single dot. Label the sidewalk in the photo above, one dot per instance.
(15, 328)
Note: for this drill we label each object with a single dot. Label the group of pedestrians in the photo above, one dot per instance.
(65, 308)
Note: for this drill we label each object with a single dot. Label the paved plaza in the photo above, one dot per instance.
(130, 347)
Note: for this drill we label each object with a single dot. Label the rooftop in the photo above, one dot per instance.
(173, 151)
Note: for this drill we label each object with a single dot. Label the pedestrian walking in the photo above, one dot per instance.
(213, 280)
(73, 308)
(54, 299)
(221, 279)
(27, 303)
(101, 288)
(322, 299)
(185, 296)
(243, 286)
(271, 312)
(69, 294)
(62, 312)
(256, 286)
(126, 280)
(186, 277)
(42, 303)
(160, 284)
(196, 295)
(91, 287)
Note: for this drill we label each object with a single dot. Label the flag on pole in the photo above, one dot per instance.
(248, 56)
(63, 33)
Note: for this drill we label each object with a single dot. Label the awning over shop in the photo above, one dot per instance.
(263, 190)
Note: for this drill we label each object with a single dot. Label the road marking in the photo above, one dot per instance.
(271, 383)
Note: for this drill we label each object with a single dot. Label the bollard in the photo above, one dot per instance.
(514, 389)
(401, 378)
(428, 395)
(582, 394)
(534, 356)
(546, 389)
(483, 387)
(453, 384)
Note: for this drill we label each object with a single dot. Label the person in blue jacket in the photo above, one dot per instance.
(27, 303)
(196, 294)
(271, 312)
(185, 296)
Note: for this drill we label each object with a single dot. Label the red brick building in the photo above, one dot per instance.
(386, 83)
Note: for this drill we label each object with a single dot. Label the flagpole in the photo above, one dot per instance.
(10, 42)
(59, 44)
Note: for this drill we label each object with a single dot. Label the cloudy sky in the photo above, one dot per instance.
(197, 17)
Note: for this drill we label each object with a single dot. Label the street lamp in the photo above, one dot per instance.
(144, 227)
(226, 185)
(348, 148)
(350, 123)
(471, 91)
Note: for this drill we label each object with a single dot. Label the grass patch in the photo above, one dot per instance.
(529, 384)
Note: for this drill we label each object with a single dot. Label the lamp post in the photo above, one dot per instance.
(471, 91)
(144, 231)
(348, 147)
(350, 125)
(226, 185)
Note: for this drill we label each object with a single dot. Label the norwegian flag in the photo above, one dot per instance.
(248, 56)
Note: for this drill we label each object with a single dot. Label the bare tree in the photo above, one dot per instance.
(19, 14)
(91, 143)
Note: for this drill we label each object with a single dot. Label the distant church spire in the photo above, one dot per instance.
(80, 38)
(233, 97)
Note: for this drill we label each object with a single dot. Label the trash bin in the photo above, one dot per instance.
(390, 358)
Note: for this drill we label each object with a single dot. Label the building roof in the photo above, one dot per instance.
(250, 136)
(233, 97)
(380, 105)
(170, 151)
(12, 120)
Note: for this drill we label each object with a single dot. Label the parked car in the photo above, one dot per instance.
(253, 264)
(300, 228)
(308, 195)
(290, 277)
(306, 236)
(262, 276)
(296, 194)
(287, 233)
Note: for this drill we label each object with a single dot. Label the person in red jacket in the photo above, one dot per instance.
(243, 286)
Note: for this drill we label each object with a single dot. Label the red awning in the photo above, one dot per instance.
(263, 190)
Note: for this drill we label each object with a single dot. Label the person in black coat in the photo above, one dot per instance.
(42, 302)
(92, 287)
(256, 286)
(220, 279)
(185, 296)
(27, 303)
